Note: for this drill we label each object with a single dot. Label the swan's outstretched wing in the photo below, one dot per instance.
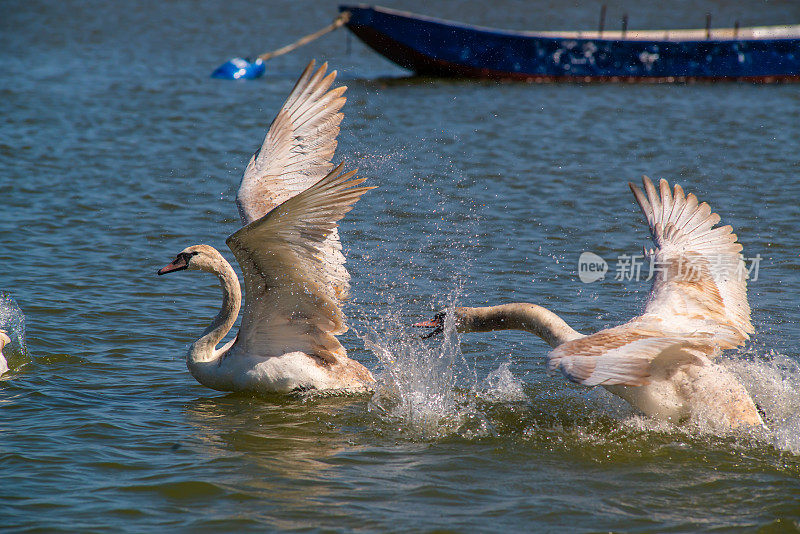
(698, 302)
(700, 280)
(627, 354)
(296, 154)
(298, 148)
(291, 296)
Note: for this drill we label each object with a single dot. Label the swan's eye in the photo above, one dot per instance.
(187, 256)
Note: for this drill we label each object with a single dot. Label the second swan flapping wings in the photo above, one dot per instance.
(662, 361)
(290, 201)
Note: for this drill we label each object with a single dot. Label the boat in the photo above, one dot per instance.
(435, 47)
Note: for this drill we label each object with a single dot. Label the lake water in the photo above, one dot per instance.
(117, 151)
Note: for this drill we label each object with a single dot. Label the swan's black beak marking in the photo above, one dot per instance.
(437, 323)
(178, 264)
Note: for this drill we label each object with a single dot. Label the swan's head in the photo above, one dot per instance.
(194, 258)
(465, 319)
(437, 324)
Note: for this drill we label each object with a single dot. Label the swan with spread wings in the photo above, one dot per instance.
(290, 200)
(663, 361)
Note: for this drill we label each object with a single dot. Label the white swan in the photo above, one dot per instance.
(289, 201)
(661, 362)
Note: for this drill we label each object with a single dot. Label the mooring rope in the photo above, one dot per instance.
(340, 21)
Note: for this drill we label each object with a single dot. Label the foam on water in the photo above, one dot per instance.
(773, 380)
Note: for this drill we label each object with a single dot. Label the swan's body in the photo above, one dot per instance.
(289, 202)
(661, 362)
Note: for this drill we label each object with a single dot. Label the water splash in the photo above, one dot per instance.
(423, 387)
(773, 380)
(428, 388)
(12, 321)
(502, 386)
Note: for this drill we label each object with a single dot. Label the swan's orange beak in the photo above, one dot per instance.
(437, 323)
(178, 264)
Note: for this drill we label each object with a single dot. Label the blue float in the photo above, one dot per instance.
(239, 69)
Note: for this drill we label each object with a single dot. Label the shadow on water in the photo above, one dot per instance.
(296, 431)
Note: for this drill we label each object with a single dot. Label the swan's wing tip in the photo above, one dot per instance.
(298, 147)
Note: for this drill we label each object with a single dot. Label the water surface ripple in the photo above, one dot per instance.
(117, 151)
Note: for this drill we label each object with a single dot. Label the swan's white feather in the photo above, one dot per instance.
(697, 306)
(289, 201)
(4, 339)
(296, 153)
(621, 356)
(297, 150)
(292, 301)
(701, 279)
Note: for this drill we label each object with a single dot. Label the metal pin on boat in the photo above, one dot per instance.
(602, 20)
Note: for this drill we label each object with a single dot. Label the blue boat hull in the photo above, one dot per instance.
(439, 48)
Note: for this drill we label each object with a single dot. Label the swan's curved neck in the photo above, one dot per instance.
(205, 348)
(517, 316)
